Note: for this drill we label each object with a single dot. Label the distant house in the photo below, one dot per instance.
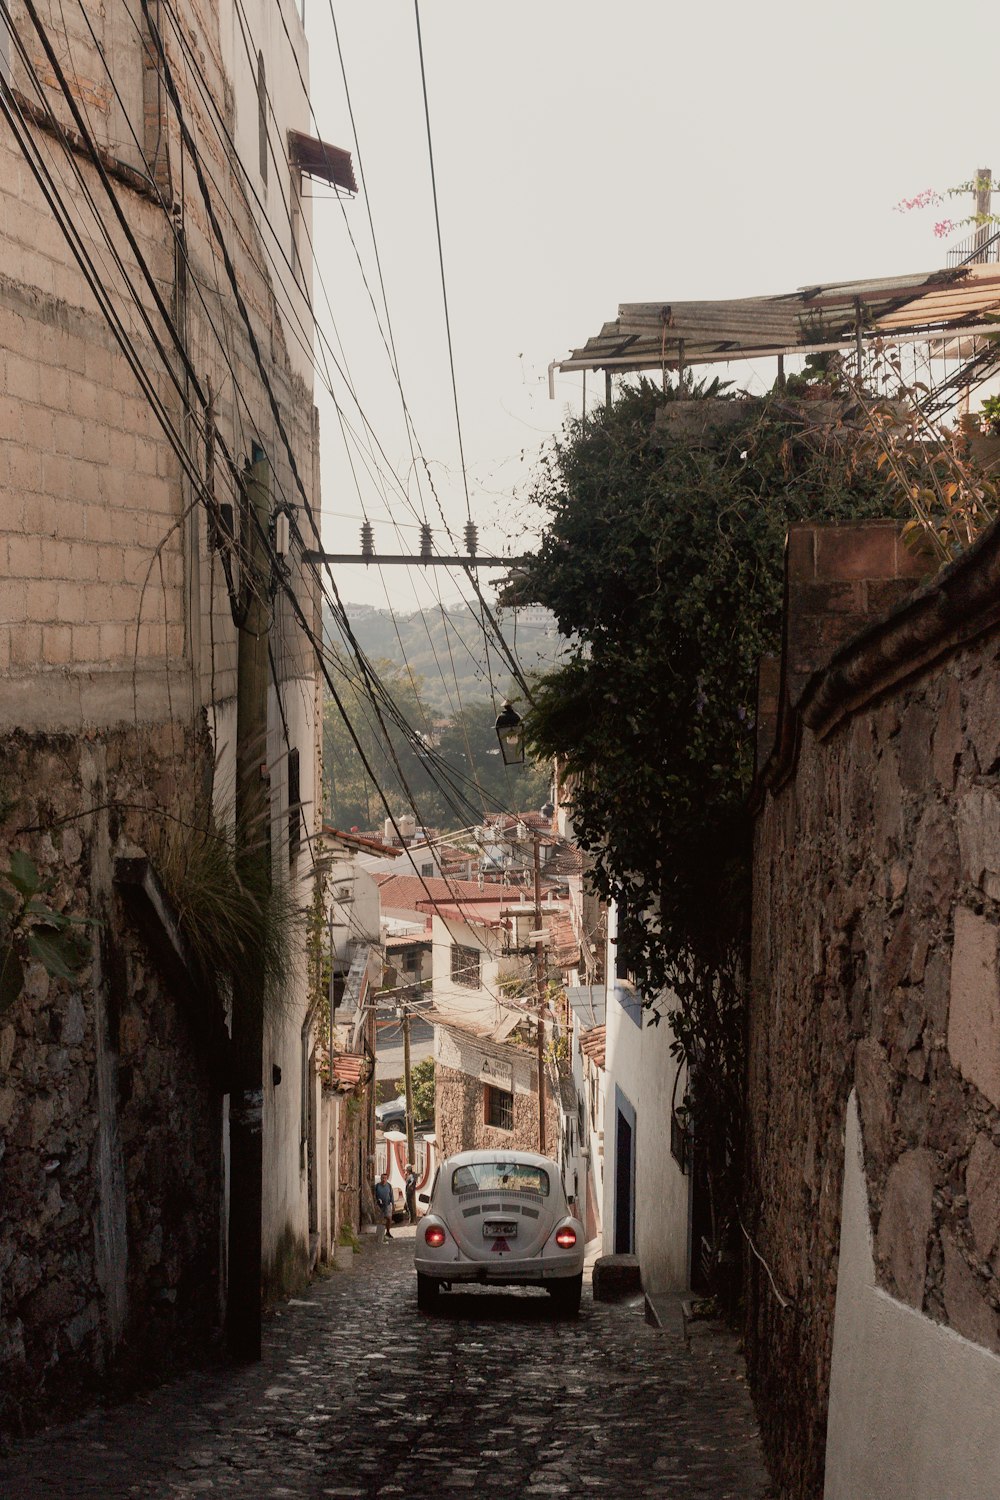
(588, 1041)
(648, 1205)
(486, 1093)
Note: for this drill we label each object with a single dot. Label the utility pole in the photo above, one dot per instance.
(408, 1082)
(983, 189)
(540, 986)
(253, 859)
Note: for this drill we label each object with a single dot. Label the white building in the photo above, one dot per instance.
(647, 1208)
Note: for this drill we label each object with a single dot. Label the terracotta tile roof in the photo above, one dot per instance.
(593, 1044)
(476, 913)
(567, 860)
(348, 1069)
(413, 892)
(507, 820)
(366, 843)
(563, 944)
(408, 939)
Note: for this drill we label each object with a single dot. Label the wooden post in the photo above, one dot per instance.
(781, 372)
(540, 987)
(607, 388)
(253, 854)
(984, 195)
(408, 1082)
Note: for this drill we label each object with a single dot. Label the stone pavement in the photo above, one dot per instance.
(359, 1395)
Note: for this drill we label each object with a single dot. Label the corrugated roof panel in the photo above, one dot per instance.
(648, 334)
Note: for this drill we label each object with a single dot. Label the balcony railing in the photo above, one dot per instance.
(978, 249)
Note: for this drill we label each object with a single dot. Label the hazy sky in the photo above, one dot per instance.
(589, 154)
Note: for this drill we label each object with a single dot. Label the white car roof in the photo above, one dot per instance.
(530, 1158)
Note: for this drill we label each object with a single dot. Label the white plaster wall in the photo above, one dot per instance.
(286, 1200)
(355, 917)
(913, 1405)
(616, 1070)
(410, 861)
(591, 1143)
(480, 1006)
(638, 1061)
(467, 1055)
(285, 1208)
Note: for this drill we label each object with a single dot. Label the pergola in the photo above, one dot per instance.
(957, 309)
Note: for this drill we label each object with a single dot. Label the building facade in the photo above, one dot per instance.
(154, 342)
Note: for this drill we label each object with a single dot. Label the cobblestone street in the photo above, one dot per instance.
(359, 1395)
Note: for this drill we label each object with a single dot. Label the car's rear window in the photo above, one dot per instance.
(500, 1177)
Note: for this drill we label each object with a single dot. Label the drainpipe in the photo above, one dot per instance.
(310, 1016)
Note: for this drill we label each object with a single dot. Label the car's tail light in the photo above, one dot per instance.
(434, 1234)
(566, 1237)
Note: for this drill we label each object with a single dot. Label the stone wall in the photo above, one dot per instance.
(875, 945)
(110, 1122)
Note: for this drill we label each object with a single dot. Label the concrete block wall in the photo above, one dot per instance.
(90, 494)
(91, 483)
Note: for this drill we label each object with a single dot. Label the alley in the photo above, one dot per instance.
(359, 1395)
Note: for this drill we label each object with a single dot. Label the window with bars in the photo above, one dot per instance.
(262, 118)
(465, 967)
(498, 1107)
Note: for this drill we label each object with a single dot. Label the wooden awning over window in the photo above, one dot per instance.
(317, 159)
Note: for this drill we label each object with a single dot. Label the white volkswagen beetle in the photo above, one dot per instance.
(499, 1218)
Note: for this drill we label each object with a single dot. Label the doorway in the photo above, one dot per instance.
(624, 1175)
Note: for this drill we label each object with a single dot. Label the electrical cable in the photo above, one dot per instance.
(292, 598)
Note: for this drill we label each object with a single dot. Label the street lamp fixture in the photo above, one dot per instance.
(510, 733)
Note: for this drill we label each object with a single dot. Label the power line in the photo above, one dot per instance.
(109, 313)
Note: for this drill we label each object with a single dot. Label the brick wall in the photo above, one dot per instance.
(875, 939)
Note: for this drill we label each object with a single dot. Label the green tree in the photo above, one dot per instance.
(422, 1082)
(662, 558)
(455, 772)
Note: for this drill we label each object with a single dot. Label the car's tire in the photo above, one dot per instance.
(565, 1294)
(427, 1292)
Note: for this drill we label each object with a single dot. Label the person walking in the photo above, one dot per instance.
(410, 1186)
(383, 1197)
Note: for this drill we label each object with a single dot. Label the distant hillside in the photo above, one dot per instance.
(440, 646)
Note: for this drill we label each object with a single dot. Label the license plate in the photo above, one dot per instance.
(494, 1231)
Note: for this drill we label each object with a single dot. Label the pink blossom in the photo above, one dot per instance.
(922, 200)
(943, 227)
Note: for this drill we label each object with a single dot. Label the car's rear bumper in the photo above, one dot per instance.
(505, 1272)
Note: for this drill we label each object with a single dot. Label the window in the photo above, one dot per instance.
(500, 1177)
(498, 1109)
(465, 967)
(262, 117)
(294, 807)
(427, 869)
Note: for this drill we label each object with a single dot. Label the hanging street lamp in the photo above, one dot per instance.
(510, 733)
